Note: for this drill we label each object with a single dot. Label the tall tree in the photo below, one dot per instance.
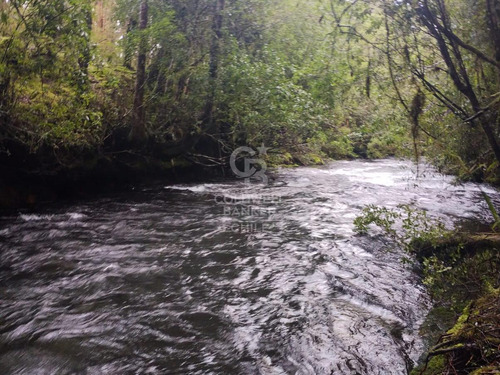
(138, 132)
(215, 50)
(438, 23)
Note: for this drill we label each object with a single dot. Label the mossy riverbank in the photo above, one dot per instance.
(463, 329)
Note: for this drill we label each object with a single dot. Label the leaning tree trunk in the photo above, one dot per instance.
(449, 46)
(493, 18)
(138, 133)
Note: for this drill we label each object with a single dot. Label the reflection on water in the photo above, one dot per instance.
(222, 278)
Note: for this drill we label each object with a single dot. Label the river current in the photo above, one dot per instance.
(222, 278)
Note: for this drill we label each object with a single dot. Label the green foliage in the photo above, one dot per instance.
(335, 143)
(45, 57)
(58, 115)
(403, 225)
(435, 366)
(280, 79)
(310, 79)
(464, 274)
(47, 38)
(386, 144)
(264, 105)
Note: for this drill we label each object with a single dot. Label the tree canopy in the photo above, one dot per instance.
(195, 79)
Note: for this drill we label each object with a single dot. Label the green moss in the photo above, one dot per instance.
(280, 159)
(461, 323)
(438, 320)
(436, 365)
(315, 159)
(309, 159)
(473, 336)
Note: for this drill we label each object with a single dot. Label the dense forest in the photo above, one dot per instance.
(96, 95)
(87, 87)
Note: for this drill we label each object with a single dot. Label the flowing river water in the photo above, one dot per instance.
(222, 278)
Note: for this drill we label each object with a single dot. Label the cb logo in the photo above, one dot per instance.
(250, 163)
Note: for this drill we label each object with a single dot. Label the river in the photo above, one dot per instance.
(222, 278)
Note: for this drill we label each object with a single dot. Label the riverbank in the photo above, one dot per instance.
(461, 271)
(463, 329)
(30, 179)
(25, 188)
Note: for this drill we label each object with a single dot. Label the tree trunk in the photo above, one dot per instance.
(490, 134)
(208, 119)
(101, 15)
(456, 67)
(209, 142)
(84, 59)
(138, 132)
(493, 18)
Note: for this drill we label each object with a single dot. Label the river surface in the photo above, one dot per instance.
(222, 278)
